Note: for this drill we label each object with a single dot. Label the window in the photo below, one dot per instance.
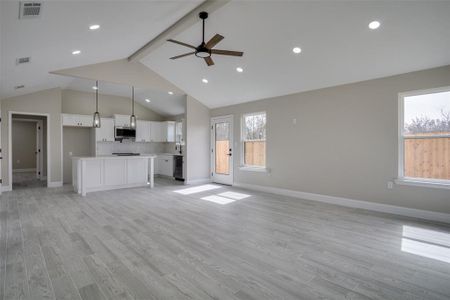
(254, 140)
(424, 136)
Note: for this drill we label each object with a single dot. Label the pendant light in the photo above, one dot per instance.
(132, 117)
(96, 120)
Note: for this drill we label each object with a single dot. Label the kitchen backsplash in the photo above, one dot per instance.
(107, 148)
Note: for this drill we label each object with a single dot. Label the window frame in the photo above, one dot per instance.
(401, 178)
(243, 166)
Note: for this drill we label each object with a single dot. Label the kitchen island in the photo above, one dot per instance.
(101, 173)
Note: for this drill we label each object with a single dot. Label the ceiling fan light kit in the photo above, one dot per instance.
(205, 50)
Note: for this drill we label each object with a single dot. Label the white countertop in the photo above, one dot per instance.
(142, 156)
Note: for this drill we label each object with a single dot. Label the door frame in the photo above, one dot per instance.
(10, 114)
(214, 177)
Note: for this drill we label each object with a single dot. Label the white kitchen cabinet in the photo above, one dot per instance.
(77, 120)
(122, 120)
(179, 133)
(143, 131)
(156, 132)
(106, 131)
(168, 131)
(164, 165)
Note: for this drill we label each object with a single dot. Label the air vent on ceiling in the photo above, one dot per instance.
(30, 10)
(23, 60)
(17, 87)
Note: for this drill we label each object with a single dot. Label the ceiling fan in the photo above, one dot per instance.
(205, 50)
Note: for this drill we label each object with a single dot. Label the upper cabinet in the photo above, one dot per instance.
(168, 131)
(143, 130)
(77, 120)
(122, 120)
(156, 134)
(146, 131)
(179, 133)
(106, 131)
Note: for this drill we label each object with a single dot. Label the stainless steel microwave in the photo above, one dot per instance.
(124, 133)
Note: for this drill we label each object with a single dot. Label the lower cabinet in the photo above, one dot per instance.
(164, 165)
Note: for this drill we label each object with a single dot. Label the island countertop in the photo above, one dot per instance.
(108, 172)
(115, 157)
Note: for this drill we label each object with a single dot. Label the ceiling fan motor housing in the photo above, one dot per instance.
(202, 51)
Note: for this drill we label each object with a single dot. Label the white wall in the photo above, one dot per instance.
(197, 141)
(344, 143)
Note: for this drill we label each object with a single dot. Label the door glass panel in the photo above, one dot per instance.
(222, 148)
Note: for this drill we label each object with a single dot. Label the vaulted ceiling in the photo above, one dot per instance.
(63, 27)
(337, 45)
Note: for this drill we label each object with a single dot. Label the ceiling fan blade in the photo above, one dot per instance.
(214, 41)
(182, 55)
(226, 52)
(181, 43)
(209, 61)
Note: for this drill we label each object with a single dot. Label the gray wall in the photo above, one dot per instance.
(197, 140)
(78, 142)
(344, 143)
(24, 145)
(76, 102)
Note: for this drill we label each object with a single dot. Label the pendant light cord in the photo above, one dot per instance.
(132, 99)
(96, 96)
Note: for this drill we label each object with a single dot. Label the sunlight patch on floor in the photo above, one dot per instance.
(427, 243)
(218, 199)
(198, 189)
(234, 195)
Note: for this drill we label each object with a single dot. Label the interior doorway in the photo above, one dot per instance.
(222, 149)
(28, 151)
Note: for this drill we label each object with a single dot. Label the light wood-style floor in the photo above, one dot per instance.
(161, 244)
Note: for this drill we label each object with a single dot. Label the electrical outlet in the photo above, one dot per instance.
(70, 153)
(294, 121)
(390, 185)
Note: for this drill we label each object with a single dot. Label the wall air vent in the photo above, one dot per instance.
(17, 87)
(23, 60)
(30, 10)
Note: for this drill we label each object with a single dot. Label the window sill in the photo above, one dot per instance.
(253, 169)
(423, 183)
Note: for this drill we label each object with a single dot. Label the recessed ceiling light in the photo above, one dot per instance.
(239, 69)
(204, 80)
(94, 27)
(76, 52)
(170, 93)
(374, 25)
(95, 88)
(296, 50)
(147, 100)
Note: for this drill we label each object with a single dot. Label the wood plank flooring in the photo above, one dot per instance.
(162, 244)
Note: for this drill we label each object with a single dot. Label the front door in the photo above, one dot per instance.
(222, 149)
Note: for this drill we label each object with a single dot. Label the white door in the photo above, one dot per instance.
(222, 149)
(39, 149)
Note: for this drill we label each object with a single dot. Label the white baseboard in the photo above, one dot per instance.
(197, 181)
(52, 184)
(385, 208)
(23, 170)
(6, 188)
